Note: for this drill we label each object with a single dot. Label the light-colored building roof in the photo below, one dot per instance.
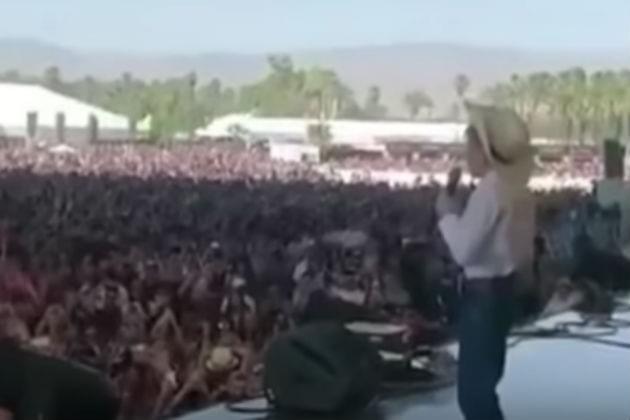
(294, 152)
(342, 131)
(18, 100)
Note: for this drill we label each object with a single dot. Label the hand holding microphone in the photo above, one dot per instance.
(448, 201)
(454, 178)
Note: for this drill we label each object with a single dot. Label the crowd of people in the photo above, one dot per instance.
(559, 174)
(171, 270)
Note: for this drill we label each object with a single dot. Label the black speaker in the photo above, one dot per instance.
(70, 391)
(321, 369)
(614, 154)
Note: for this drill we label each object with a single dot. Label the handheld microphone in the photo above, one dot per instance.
(454, 177)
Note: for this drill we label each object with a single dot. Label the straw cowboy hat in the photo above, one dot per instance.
(221, 359)
(506, 142)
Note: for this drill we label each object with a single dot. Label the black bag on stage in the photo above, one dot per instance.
(34, 386)
(321, 369)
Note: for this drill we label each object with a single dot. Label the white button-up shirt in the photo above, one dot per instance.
(491, 239)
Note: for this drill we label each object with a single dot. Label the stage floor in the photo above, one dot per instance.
(546, 379)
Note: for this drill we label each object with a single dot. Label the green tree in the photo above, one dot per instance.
(278, 94)
(127, 80)
(606, 104)
(327, 97)
(462, 85)
(416, 101)
(52, 79)
(127, 96)
(624, 85)
(11, 76)
(570, 101)
(211, 99)
(163, 108)
(191, 113)
(547, 101)
(538, 88)
(499, 94)
(228, 101)
(290, 92)
(373, 108)
(320, 89)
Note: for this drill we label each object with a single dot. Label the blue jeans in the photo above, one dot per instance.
(485, 317)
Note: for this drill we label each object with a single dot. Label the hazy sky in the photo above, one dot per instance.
(264, 25)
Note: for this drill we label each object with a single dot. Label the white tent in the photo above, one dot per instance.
(17, 101)
(342, 131)
(294, 152)
(62, 149)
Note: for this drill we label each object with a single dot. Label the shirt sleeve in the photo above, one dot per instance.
(465, 234)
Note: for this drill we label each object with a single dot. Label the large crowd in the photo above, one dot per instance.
(171, 270)
(559, 174)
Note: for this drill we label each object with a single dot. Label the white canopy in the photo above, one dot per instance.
(18, 100)
(342, 131)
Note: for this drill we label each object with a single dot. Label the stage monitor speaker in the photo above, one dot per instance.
(614, 154)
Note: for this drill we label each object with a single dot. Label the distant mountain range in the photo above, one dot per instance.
(397, 69)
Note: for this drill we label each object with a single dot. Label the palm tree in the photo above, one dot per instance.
(323, 88)
(373, 108)
(606, 102)
(52, 78)
(580, 108)
(417, 101)
(325, 94)
(511, 94)
(613, 97)
(623, 78)
(11, 76)
(127, 79)
(519, 90)
(587, 106)
(343, 99)
(569, 101)
(538, 88)
(500, 95)
(597, 104)
(462, 84)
